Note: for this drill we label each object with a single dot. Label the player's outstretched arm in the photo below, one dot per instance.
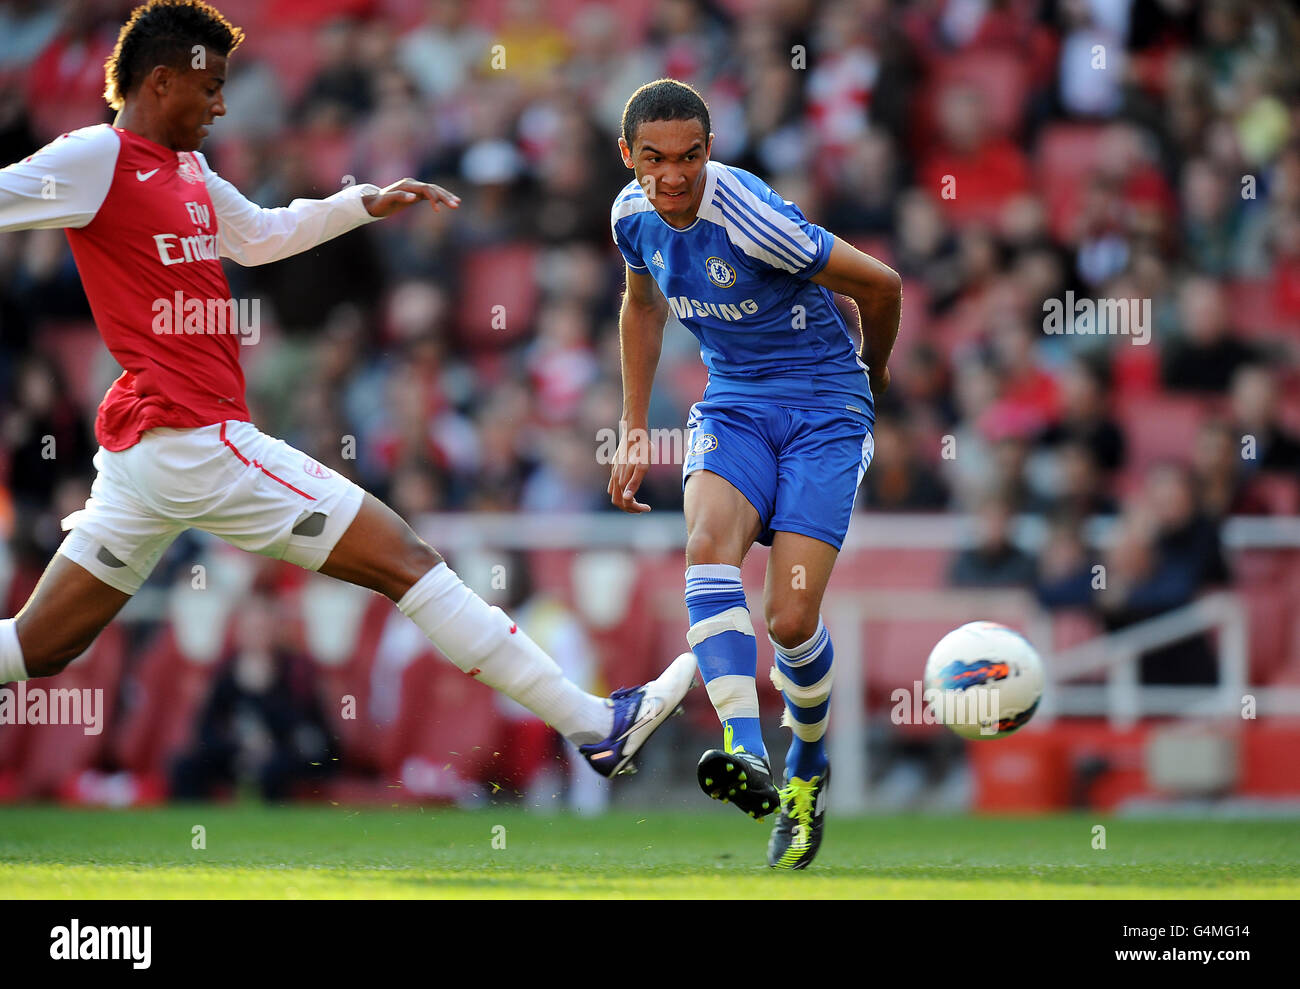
(641, 336)
(250, 235)
(878, 292)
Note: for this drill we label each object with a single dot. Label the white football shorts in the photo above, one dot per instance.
(230, 479)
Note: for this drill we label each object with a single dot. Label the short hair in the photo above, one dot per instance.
(664, 99)
(164, 32)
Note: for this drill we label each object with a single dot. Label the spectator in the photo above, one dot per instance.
(1086, 417)
(46, 434)
(972, 172)
(1081, 490)
(262, 720)
(1220, 476)
(1207, 355)
(1265, 443)
(897, 480)
(1165, 552)
(994, 561)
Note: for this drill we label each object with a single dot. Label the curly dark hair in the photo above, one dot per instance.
(164, 32)
(664, 99)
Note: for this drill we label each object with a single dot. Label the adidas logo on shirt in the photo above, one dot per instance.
(659, 260)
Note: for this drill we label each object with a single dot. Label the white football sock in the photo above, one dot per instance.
(487, 645)
(11, 653)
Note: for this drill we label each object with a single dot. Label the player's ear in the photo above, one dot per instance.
(626, 152)
(708, 146)
(160, 79)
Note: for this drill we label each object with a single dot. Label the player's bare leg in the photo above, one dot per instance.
(381, 552)
(721, 525)
(65, 613)
(797, 574)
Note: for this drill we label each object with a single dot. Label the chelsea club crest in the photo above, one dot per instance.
(721, 274)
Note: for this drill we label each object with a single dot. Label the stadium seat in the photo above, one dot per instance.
(46, 756)
(165, 693)
(1253, 310)
(497, 282)
(1000, 77)
(893, 569)
(896, 652)
(347, 673)
(69, 343)
(292, 50)
(1270, 617)
(448, 718)
(1163, 427)
(1066, 155)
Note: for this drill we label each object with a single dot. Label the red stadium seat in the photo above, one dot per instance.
(69, 344)
(448, 718)
(896, 652)
(45, 756)
(291, 50)
(498, 283)
(1163, 427)
(1253, 310)
(1270, 616)
(357, 736)
(1067, 154)
(167, 691)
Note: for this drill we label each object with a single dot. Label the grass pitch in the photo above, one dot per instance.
(338, 852)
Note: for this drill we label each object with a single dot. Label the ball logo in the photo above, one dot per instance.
(316, 470)
(187, 167)
(721, 274)
(958, 675)
(704, 443)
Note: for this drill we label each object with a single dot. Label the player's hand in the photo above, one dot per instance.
(630, 464)
(879, 381)
(405, 193)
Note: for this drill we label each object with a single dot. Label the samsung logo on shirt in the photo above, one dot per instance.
(684, 308)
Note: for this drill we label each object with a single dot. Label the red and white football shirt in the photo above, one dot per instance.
(147, 226)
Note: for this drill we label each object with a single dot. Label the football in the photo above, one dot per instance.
(983, 680)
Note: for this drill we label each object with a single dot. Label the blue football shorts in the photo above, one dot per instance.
(799, 468)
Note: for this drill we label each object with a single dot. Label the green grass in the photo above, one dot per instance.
(338, 852)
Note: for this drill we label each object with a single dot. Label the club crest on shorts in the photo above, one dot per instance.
(704, 443)
(721, 274)
(310, 466)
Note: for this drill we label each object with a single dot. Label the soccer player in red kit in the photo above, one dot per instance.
(148, 221)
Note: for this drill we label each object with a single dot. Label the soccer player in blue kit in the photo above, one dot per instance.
(777, 446)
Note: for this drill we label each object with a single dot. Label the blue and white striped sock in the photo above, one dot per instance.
(803, 674)
(722, 638)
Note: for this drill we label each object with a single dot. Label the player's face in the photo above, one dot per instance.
(668, 157)
(193, 101)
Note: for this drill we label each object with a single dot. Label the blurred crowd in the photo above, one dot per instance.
(997, 153)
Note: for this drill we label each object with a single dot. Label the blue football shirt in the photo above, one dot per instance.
(738, 278)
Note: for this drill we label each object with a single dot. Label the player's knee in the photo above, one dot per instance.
(704, 546)
(791, 627)
(417, 559)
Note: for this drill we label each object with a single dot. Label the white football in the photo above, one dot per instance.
(983, 680)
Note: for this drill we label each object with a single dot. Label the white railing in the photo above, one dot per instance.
(1121, 698)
